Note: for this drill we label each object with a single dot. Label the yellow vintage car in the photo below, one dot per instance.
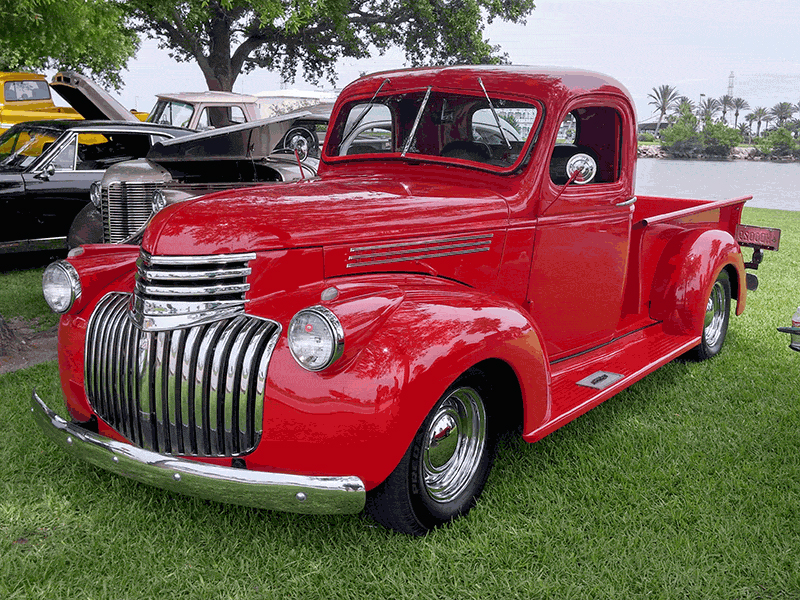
(26, 97)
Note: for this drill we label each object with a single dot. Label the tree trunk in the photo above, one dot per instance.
(8, 339)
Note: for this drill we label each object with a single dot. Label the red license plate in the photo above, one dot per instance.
(758, 237)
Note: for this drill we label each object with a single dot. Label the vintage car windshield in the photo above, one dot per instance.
(19, 148)
(170, 112)
(443, 125)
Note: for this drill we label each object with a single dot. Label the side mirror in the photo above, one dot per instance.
(581, 168)
(47, 172)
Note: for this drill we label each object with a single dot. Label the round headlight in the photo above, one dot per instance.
(96, 193)
(61, 286)
(316, 338)
(159, 201)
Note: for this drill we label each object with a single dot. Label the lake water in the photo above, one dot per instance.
(772, 185)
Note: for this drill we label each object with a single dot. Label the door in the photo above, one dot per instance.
(581, 248)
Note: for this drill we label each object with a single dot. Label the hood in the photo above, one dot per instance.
(253, 140)
(323, 213)
(89, 99)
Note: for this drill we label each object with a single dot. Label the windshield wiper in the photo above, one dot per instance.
(416, 122)
(496, 117)
(365, 111)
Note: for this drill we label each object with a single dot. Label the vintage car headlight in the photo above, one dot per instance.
(61, 286)
(316, 338)
(96, 193)
(159, 201)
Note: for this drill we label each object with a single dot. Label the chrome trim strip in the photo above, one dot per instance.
(180, 291)
(197, 260)
(413, 257)
(33, 245)
(274, 491)
(487, 236)
(417, 250)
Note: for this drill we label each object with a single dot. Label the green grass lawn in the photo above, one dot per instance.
(687, 485)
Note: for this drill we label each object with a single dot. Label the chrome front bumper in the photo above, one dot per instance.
(273, 491)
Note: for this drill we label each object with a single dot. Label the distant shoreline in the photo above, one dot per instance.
(737, 153)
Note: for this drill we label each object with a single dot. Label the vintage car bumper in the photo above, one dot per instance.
(274, 491)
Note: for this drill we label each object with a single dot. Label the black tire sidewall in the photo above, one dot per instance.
(430, 512)
(705, 350)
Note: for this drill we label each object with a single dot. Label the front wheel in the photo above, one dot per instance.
(715, 321)
(445, 469)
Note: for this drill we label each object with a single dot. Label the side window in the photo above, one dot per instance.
(65, 159)
(99, 151)
(368, 130)
(237, 115)
(589, 139)
(220, 116)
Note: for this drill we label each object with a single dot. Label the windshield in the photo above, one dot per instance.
(19, 148)
(167, 112)
(446, 125)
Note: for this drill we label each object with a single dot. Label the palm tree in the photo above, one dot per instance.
(725, 103)
(739, 104)
(782, 112)
(664, 98)
(759, 114)
(708, 108)
(744, 129)
(682, 104)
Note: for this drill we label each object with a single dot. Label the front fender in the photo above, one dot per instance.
(688, 267)
(361, 417)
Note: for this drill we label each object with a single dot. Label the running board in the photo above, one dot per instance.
(580, 383)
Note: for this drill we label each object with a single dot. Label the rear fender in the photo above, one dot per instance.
(688, 267)
(360, 415)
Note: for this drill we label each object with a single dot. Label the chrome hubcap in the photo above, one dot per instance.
(715, 315)
(454, 444)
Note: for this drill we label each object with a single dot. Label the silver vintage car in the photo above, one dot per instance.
(278, 149)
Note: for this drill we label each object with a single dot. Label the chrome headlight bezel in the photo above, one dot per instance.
(96, 194)
(327, 347)
(61, 286)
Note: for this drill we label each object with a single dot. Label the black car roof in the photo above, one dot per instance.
(62, 125)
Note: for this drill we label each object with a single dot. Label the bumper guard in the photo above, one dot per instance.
(273, 491)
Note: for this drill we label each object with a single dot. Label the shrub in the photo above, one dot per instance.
(646, 136)
(718, 139)
(779, 142)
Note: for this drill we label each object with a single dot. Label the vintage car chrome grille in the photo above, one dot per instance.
(177, 291)
(193, 391)
(125, 208)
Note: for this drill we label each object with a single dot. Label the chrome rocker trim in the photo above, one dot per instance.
(272, 491)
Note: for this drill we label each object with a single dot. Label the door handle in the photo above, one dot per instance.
(627, 202)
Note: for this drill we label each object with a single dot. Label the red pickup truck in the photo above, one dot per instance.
(471, 259)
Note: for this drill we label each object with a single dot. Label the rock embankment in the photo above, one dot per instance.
(738, 153)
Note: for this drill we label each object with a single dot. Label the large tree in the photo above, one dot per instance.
(85, 35)
(739, 104)
(230, 37)
(664, 98)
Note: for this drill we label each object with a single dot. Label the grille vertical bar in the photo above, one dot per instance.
(125, 207)
(192, 391)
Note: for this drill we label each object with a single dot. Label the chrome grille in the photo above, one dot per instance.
(125, 208)
(193, 391)
(176, 291)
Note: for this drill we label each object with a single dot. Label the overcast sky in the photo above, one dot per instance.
(692, 45)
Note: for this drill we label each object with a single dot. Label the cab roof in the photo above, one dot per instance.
(529, 81)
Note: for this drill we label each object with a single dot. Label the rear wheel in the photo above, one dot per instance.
(715, 321)
(445, 469)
